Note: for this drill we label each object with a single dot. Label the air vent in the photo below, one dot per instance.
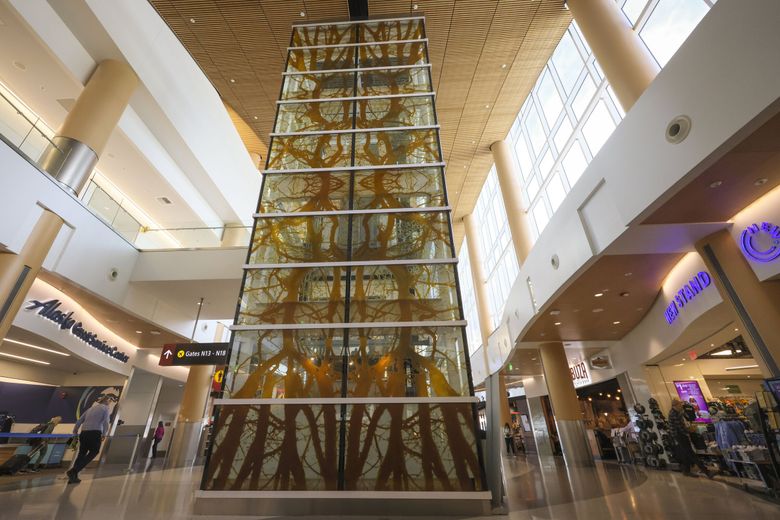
(165, 201)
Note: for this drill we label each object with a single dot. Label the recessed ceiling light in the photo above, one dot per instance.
(598, 295)
(761, 182)
(487, 106)
(473, 141)
(139, 332)
(31, 360)
(554, 312)
(303, 13)
(624, 293)
(154, 332)
(712, 344)
(598, 309)
(616, 322)
(503, 65)
(736, 330)
(192, 20)
(557, 323)
(628, 273)
(716, 184)
(254, 117)
(533, 359)
(30, 345)
(680, 364)
(232, 80)
(414, 7)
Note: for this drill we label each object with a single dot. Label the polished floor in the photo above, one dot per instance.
(535, 490)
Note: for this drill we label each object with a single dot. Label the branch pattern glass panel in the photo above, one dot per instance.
(397, 147)
(392, 30)
(275, 448)
(299, 152)
(411, 447)
(401, 236)
(300, 239)
(273, 364)
(385, 82)
(395, 112)
(319, 86)
(328, 58)
(307, 117)
(293, 295)
(292, 192)
(403, 188)
(407, 362)
(403, 293)
(391, 55)
(305, 36)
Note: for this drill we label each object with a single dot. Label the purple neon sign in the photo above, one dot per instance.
(687, 293)
(761, 243)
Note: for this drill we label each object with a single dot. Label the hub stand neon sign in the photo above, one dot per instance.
(688, 292)
(761, 243)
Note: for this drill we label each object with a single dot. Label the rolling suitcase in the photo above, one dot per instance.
(14, 464)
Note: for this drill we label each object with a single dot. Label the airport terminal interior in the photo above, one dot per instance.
(389, 259)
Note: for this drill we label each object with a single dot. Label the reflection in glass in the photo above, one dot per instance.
(328, 58)
(391, 55)
(303, 117)
(411, 447)
(318, 86)
(274, 448)
(407, 362)
(403, 293)
(273, 364)
(300, 239)
(395, 112)
(402, 188)
(294, 295)
(401, 236)
(396, 147)
(393, 81)
(310, 151)
(323, 35)
(391, 30)
(291, 192)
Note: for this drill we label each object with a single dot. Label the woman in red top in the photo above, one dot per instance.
(159, 433)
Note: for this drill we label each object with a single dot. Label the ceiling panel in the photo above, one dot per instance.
(485, 56)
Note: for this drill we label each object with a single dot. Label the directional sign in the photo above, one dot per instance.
(185, 354)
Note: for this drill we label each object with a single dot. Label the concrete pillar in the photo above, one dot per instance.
(479, 279)
(18, 271)
(83, 136)
(511, 191)
(566, 407)
(624, 58)
(756, 304)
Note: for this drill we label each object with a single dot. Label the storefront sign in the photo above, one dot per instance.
(185, 354)
(580, 374)
(66, 321)
(601, 361)
(761, 243)
(688, 292)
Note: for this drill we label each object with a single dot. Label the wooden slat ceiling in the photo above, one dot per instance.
(470, 41)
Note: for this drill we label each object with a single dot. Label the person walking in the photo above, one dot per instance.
(94, 427)
(159, 433)
(509, 440)
(684, 453)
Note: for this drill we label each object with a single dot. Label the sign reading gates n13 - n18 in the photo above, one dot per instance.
(184, 354)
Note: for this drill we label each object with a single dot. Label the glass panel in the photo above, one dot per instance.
(329, 58)
(407, 362)
(598, 128)
(394, 112)
(290, 192)
(396, 147)
(403, 293)
(540, 215)
(323, 35)
(302, 117)
(275, 448)
(563, 133)
(524, 157)
(404, 188)
(584, 97)
(555, 191)
(633, 8)
(300, 239)
(296, 295)
(574, 163)
(535, 130)
(316, 86)
(101, 203)
(392, 54)
(401, 236)
(273, 364)
(549, 99)
(412, 447)
(393, 81)
(126, 225)
(669, 26)
(310, 151)
(567, 62)
(391, 30)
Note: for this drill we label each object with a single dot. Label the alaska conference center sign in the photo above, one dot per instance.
(186, 354)
(65, 320)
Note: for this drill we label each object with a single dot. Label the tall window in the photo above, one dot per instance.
(467, 294)
(495, 244)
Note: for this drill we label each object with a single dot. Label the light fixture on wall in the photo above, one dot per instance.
(30, 345)
(31, 360)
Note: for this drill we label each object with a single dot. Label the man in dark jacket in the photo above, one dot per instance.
(684, 453)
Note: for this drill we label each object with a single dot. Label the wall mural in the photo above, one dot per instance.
(351, 289)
